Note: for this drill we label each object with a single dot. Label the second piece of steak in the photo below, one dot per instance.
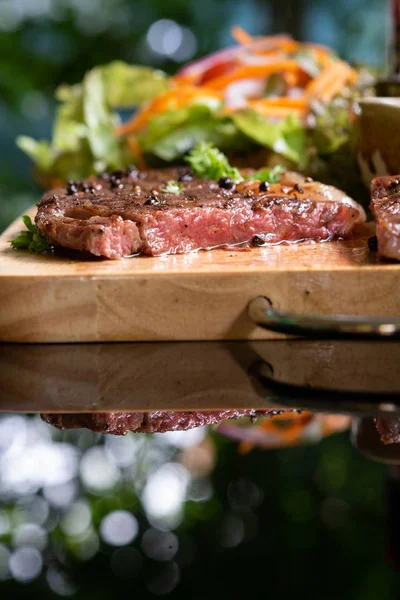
(385, 206)
(132, 212)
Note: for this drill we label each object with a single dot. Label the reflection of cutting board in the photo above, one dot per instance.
(199, 296)
(183, 376)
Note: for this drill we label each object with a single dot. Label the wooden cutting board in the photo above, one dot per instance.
(198, 296)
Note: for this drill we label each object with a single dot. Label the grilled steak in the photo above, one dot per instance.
(385, 206)
(149, 422)
(127, 213)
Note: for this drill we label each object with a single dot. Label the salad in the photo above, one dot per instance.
(264, 101)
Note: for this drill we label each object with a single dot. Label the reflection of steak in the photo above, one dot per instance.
(385, 205)
(130, 212)
(389, 430)
(149, 422)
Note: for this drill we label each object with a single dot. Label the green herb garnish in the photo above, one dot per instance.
(210, 163)
(172, 187)
(31, 239)
(268, 175)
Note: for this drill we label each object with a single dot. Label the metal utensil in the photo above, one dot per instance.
(263, 314)
(355, 403)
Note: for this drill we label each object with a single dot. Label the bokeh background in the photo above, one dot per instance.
(185, 515)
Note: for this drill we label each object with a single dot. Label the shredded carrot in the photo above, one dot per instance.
(136, 150)
(299, 102)
(292, 432)
(330, 81)
(185, 79)
(253, 71)
(321, 80)
(327, 75)
(332, 423)
(139, 120)
(321, 55)
(57, 183)
(259, 58)
(276, 110)
(274, 43)
(245, 447)
(278, 45)
(241, 36)
(291, 79)
(334, 87)
(352, 74)
(170, 100)
(286, 436)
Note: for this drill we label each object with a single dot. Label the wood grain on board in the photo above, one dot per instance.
(197, 296)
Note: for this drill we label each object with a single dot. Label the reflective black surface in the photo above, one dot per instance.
(199, 514)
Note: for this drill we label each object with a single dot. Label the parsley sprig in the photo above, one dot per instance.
(210, 163)
(31, 238)
(172, 187)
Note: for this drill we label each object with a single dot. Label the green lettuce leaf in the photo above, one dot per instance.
(128, 86)
(171, 135)
(40, 152)
(181, 140)
(100, 122)
(333, 126)
(69, 127)
(84, 140)
(286, 137)
(165, 123)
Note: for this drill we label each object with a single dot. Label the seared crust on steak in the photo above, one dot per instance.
(127, 213)
(149, 422)
(385, 206)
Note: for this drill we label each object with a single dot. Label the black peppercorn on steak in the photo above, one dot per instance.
(172, 211)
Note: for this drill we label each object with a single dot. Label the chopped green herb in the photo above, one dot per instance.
(268, 175)
(172, 187)
(31, 239)
(210, 163)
